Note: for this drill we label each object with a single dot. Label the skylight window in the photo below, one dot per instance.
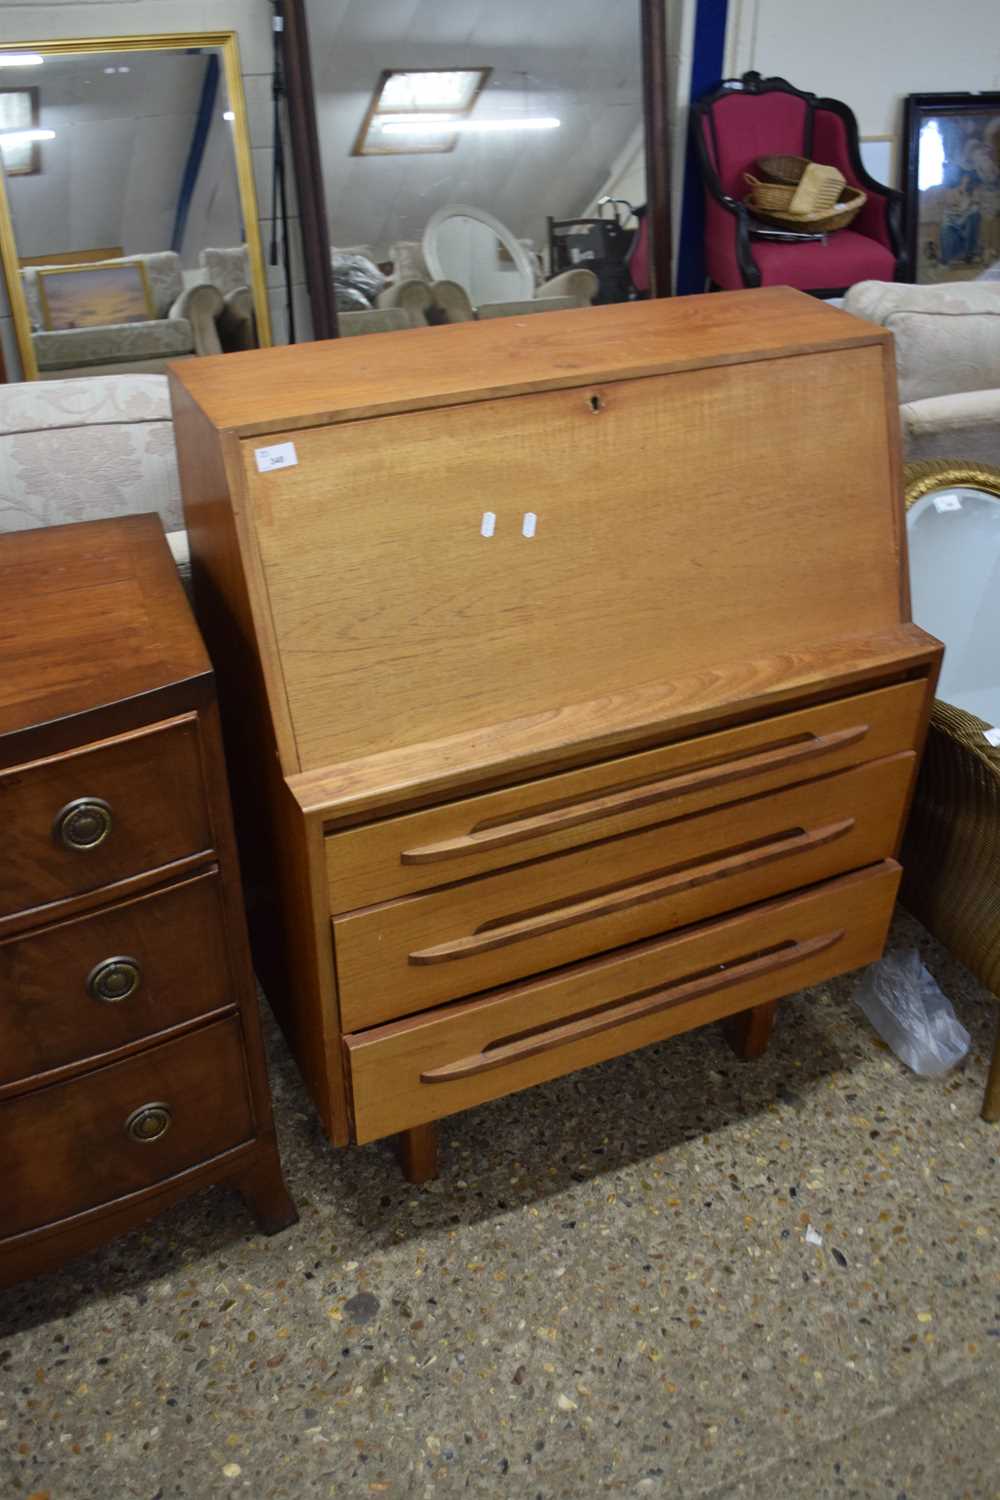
(411, 111)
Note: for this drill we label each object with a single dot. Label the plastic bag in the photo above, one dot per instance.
(356, 273)
(908, 1010)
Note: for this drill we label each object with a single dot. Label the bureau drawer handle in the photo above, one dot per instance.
(114, 979)
(634, 1009)
(609, 903)
(84, 823)
(150, 1122)
(516, 830)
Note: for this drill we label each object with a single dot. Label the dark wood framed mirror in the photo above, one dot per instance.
(619, 135)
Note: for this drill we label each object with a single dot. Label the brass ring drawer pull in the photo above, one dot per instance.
(114, 980)
(634, 1009)
(84, 823)
(150, 1122)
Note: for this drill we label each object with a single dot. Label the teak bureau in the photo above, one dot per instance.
(570, 690)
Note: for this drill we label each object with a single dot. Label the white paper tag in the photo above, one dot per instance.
(992, 736)
(529, 523)
(947, 502)
(278, 456)
(489, 524)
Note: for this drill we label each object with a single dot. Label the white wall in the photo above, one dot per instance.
(42, 20)
(870, 53)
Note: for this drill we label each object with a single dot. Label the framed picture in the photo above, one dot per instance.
(952, 181)
(94, 296)
(19, 111)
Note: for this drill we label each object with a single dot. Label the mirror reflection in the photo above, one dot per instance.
(481, 159)
(132, 242)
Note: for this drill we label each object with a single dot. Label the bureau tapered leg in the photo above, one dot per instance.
(418, 1152)
(749, 1032)
(265, 1194)
(991, 1103)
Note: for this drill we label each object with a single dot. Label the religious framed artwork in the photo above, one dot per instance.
(952, 186)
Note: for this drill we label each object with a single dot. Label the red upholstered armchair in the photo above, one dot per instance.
(748, 117)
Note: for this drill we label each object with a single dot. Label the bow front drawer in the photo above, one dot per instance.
(80, 821)
(421, 850)
(403, 956)
(124, 1128)
(79, 989)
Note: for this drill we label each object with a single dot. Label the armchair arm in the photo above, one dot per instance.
(580, 284)
(201, 306)
(965, 423)
(413, 297)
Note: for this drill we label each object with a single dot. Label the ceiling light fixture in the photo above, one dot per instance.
(20, 59)
(468, 127)
(22, 137)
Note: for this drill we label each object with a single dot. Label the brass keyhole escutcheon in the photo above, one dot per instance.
(114, 980)
(84, 823)
(150, 1122)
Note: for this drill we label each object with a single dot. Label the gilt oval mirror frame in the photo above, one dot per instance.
(952, 574)
(222, 44)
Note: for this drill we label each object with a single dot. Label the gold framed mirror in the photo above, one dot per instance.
(134, 240)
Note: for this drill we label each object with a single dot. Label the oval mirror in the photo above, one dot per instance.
(469, 246)
(953, 530)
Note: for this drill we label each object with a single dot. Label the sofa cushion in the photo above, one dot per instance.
(80, 450)
(947, 337)
(115, 343)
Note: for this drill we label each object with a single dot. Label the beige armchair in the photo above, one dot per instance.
(947, 341)
(184, 324)
(228, 270)
(576, 288)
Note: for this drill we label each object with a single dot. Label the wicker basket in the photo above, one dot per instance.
(786, 169)
(819, 221)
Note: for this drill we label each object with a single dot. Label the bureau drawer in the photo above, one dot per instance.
(85, 987)
(398, 958)
(478, 834)
(78, 1145)
(413, 1071)
(80, 821)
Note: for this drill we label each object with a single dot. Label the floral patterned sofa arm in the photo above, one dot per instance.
(200, 306)
(84, 449)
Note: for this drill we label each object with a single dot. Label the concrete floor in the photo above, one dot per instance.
(608, 1291)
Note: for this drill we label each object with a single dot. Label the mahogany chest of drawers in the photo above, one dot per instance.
(131, 1069)
(569, 677)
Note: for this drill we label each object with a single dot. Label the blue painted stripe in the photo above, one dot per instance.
(708, 52)
(196, 153)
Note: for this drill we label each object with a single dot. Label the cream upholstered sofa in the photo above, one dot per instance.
(80, 450)
(184, 324)
(948, 363)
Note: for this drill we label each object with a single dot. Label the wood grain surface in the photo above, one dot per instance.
(388, 1063)
(151, 780)
(399, 856)
(462, 631)
(269, 390)
(552, 911)
(50, 1020)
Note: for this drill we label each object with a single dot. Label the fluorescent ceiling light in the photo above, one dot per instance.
(22, 137)
(469, 127)
(20, 59)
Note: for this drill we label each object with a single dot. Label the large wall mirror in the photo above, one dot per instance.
(128, 217)
(484, 142)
